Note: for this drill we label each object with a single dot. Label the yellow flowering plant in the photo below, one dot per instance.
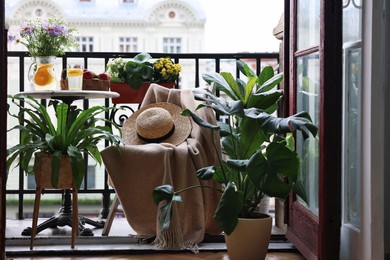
(165, 70)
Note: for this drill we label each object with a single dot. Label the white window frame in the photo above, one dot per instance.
(128, 44)
(85, 43)
(172, 44)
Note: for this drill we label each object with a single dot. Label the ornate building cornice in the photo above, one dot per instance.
(166, 13)
(29, 9)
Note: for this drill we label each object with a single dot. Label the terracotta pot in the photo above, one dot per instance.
(250, 239)
(130, 95)
(43, 173)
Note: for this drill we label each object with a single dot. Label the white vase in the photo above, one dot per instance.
(250, 239)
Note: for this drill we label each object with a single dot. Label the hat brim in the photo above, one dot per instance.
(182, 124)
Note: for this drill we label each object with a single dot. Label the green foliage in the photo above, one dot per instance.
(139, 70)
(258, 146)
(76, 132)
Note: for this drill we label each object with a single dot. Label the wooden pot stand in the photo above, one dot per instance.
(69, 216)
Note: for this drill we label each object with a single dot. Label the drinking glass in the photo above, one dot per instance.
(75, 76)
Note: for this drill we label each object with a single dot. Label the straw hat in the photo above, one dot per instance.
(157, 123)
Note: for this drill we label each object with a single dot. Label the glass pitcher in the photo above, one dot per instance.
(41, 73)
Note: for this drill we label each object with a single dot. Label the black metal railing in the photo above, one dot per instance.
(258, 59)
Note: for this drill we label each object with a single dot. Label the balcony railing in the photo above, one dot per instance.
(194, 65)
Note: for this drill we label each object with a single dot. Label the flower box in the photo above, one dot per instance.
(130, 95)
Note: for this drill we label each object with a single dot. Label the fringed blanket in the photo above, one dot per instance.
(135, 170)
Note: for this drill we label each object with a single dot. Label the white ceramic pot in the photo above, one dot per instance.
(250, 239)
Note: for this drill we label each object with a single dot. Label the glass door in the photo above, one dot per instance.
(352, 112)
(315, 86)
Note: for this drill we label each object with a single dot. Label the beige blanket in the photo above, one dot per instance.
(135, 170)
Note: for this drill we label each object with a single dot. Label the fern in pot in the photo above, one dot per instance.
(258, 149)
(63, 139)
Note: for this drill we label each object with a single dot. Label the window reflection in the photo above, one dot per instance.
(352, 111)
(308, 75)
(308, 19)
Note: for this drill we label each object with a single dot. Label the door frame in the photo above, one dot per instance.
(3, 126)
(318, 237)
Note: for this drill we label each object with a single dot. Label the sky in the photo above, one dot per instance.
(241, 26)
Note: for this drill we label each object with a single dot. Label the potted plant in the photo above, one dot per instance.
(45, 39)
(132, 78)
(258, 149)
(65, 140)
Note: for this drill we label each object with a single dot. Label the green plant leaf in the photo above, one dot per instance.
(206, 173)
(219, 104)
(266, 101)
(265, 74)
(290, 141)
(238, 165)
(257, 169)
(165, 193)
(275, 187)
(165, 215)
(229, 206)
(142, 57)
(198, 120)
(233, 86)
(266, 171)
(55, 168)
(252, 139)
(249, 89)
(220, 83)
(282, 160)
(147, 73)
(271, 83)
(299, 189)
(78, 165)
(82, 119)
(245, 69)
(228, 146)
(300, 121)
(226, 129)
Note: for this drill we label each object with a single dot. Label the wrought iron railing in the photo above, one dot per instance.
(216, 59)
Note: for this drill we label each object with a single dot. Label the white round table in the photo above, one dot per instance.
(68, 96)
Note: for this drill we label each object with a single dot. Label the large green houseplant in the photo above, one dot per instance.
(258, 146)
(71, 132)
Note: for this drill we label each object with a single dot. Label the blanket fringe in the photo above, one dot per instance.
(173, 239)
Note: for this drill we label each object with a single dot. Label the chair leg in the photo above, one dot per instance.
(111, 216)
(37, 202)
(75, 218)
